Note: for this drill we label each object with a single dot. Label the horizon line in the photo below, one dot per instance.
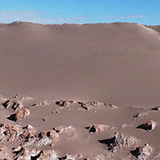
(16, 22)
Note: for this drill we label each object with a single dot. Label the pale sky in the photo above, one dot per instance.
(80, 11)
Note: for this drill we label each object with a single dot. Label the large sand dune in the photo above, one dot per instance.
(115, 62)
(93, 66)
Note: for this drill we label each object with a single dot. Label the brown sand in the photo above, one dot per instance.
(112, 63)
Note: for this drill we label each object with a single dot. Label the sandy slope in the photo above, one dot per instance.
(115, 63)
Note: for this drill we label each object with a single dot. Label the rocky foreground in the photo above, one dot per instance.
(24, 138)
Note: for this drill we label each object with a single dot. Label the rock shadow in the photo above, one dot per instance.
(12, 117)
(110, 143)
(144, 127)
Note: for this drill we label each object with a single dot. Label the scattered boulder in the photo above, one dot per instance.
(97, 128)
(157, 108)
(43, 138)
(16, 102)
(44, 103)
(12, 104)
(149, 126)
(56, 111)
(20, 97)
(44, 119)
(124, 141)
(143, 152)
(47, 155)
(9, 132)
(141, 114)
(19, 115)
(119, 141)
(62, 129)
(23, 153)
(65, 103)
(22, 114)
(28, 132)
(89, 105)
(113, 106)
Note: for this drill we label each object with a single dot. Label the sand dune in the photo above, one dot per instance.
(116, 62)
(85, 82)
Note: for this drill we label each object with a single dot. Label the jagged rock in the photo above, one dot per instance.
(44, 103)
(16, 149)
(40, 104)
(22, 114)
(62, 129)
(149, 126)
(43, 138)
(28, 132)
(47, 155)
(16, 102)
(9, 132)
(141, 114)
(12, 104)
(19, 115)
(65, 103)
(23, 153)
(88, 105)
(124, 141)
(143, 152)
(119, 141)
(113, 106)
(97, 128)
(157, 108)
(20, 97)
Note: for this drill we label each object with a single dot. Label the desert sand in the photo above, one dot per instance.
(87, 92)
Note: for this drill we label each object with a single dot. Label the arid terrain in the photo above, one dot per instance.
(79, 92)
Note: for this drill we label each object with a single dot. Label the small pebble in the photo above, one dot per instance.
(45, 120)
